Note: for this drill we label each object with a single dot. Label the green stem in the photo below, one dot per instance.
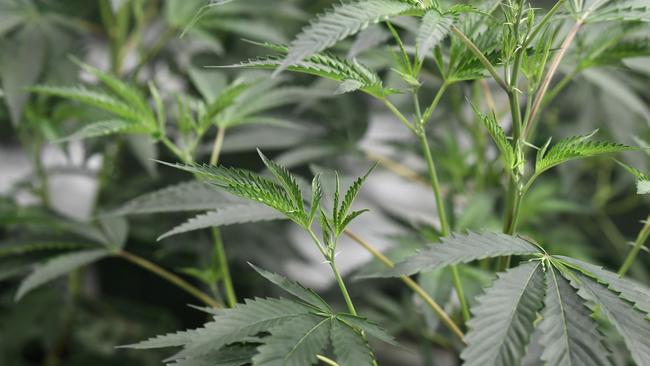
(220, 253)
(638, 244)
(481, 57)
(344, 290)
(327, 360)
(446, 319)
(444, 223)
(434, 103)
(172, 278)
(398, 114)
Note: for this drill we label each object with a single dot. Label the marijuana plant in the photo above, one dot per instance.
(430, 64)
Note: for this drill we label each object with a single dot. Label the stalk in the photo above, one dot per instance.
(344, 290)
(539, 98)
(444, 317)
(444, 223)
(220, 251)
(172, 278)
(638, 244)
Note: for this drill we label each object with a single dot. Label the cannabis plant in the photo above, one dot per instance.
(491, 292)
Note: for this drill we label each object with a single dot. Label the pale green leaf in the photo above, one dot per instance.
(349, 346)
(58, 266)
(630, 323)
(460, 248)
(226, 215)
(503, 319)
(103, 128)
(295, 343)
(498, 136)
(339, 22)
(433, 30)
(569, 334)
(294, 288)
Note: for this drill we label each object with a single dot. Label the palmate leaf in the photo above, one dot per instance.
(186, 196)
(353, 74)
(349, 346)
(570, 337)
(628, 289)
(341, 216)
(503, 320)
(294, 288)
(285, 178)
(433, 29)
(226, 215)
(234, 355)
(614, 10)
(576, 147)
(339, 22)
(295, 343)
(59, 266)
(628, 321)
(460, 248)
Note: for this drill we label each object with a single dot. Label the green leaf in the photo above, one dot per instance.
(233, 355)
(104, 128)
(129, 94)
(294, 288)
(341, 21)
(368, 327)
(186, 196)
(628, 321)
(576, 147)
(229, 326)
(248, 185)
(498, 136)
(628, 289)
(224, 216)
(58, 266)
(285, 178)
(326, 66)
(316, 197)
(460, 248)
(503, 320)
(643, 180)
(569, 333)
(93, 98)
(295, 343)
(433, 30)
(342, 218)
(349, 346)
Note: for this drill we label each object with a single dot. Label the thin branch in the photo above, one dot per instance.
(638, 244)
(444, 317)
(539, 98)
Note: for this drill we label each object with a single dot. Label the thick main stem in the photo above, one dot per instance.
(638, 244)
(444, 317)
(444, 223)
(172, 278)
(344, 290)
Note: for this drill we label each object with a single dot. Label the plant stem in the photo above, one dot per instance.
(444, 317)
(539, 98)
(398, 114)
(429, 111)
(220, 251)
(344, 290)
(218, 143)
(444, 223)
(638, 244)
(481, 57)
(172, 278)
(326, 360)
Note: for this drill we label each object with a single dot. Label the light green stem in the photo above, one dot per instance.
(444, 223)
(638, 244)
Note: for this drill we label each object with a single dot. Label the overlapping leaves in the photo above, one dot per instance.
(561, 289)
(281, 331)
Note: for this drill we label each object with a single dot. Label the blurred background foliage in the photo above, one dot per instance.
(55, 192)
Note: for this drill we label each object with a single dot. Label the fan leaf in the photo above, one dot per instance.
(339, 22)
(570, 337)
(58, 266)
(349, 346)
(433, 30)
(503, 319)
(460, 248)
